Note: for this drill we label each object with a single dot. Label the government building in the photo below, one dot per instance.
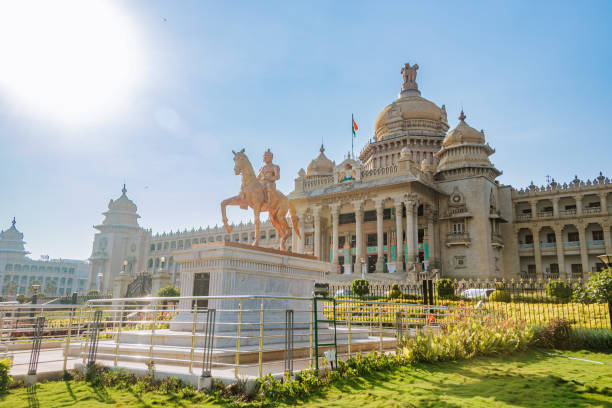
(56, 277)
(421, 197)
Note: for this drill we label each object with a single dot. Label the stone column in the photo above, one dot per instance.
(316, 211)
(604, 202)
(555, 201)
(607, 238)
(301, 227)
(579, 204)
(399, 253)
(415, 243)
(534, 209)
(584, 255)
(537, 251)
(294, 239)
(431, 238)
(358, 235)
(560, 254)
(380, 255)
(335, 214)
(410, 227)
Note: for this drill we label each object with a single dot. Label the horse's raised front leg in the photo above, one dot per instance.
(236, 200)
(256, 212)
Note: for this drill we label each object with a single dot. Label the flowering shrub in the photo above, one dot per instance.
(5, 377)
(559, 290)
(361, 287)
(599, 287)
(554, 335)
(475, 336)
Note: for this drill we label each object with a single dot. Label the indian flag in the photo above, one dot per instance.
(354, 125)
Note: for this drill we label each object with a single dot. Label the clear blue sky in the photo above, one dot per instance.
(218, 76)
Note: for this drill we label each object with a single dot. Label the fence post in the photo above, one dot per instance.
(261, 339)
(67, 346)
(209, 337)
(35, 353)
(380, 327)
(288, 342)
(152, 344)
(610, 311)
(310, 332)
(316, 333)
(350, 336)
(398, 327)
(238, 334)
(194, 310)
(118, 339)
(93, 339)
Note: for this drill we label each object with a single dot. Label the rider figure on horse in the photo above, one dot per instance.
(268, 174)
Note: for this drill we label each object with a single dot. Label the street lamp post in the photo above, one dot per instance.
(362, 261)
(606, 258)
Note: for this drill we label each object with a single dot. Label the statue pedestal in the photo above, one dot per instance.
(233, 269)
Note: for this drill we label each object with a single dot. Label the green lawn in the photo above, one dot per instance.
(533, 379)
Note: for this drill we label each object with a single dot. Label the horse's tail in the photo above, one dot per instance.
(294, 220)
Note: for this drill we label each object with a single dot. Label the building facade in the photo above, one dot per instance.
(56, 277)
(121, 244)
(419, 197)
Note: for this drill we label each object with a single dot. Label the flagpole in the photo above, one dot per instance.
(352, 136)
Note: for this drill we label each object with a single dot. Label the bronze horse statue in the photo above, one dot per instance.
(253, 194)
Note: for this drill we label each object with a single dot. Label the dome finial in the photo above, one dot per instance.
(462, 116)
(13, 222)
(124, 190)
(322, 149)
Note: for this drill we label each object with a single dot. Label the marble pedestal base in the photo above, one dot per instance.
(238, 270)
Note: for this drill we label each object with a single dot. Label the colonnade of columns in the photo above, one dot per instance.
(410, 226)
(560, 248)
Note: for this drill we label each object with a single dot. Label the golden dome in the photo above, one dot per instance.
(463, 133)
(321, 165)
(409, 105)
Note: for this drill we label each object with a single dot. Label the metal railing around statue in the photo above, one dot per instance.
(252, 336)
(243, 336)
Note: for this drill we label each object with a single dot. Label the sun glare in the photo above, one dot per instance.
(70, 60)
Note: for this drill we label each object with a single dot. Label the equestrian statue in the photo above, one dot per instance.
(259, 192)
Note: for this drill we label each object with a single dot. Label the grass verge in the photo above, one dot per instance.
(530, 379)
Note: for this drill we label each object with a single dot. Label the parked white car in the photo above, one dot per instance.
(475, 293)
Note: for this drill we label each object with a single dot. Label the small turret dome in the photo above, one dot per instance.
(463, 133)
(321, 166)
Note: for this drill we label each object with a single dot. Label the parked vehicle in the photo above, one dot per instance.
(476, 293)
(344, 293)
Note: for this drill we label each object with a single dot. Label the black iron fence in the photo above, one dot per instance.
(536, 302)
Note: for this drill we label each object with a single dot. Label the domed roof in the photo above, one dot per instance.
(11, 234)
(463, 133)
(321, 165)
(123, 203)
(11, 241)
(410, 105)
